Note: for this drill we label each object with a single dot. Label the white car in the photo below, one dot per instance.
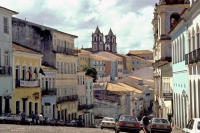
(193, 126)
(160, 125)
(108, 122)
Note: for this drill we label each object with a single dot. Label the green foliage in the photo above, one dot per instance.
(90, 71)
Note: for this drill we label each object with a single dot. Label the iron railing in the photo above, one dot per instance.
(49, 92)
(5, 70)
(192, 57)
(67, 99)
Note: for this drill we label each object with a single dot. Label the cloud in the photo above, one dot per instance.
(130, 20)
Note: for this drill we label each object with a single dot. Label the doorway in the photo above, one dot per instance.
(36, 108)
(54, 111)
(30, 108)
(0, 104)
(17, 107)
(7, 103)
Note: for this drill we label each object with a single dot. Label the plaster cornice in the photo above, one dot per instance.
(29, 55)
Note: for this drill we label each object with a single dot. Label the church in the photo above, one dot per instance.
(98, 43)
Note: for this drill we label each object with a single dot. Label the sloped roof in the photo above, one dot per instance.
(17, 47)
(14, 12)
(97, 31)
(152, 61)
(48, 67)
(133, 77)
(139, 52)
(98, 57)
(115, 87)
(130, 88)
(111, 54)
(137, 57)
(110, 33)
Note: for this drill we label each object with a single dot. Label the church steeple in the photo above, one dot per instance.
(97, 31)
(110, 33)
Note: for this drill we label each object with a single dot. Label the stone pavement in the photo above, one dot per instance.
(7, 128)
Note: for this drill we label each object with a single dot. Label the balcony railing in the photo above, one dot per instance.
(5, 70)
(24, 83)
(49, 92)
(67, 98)
(81, 107)
(192, 57)
(90, 106)
(64, 50)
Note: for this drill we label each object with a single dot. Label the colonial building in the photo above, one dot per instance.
(48, 91)
(58, 50)
(166, 14)
(185, 54)
(98, 44)
(26, 79)
(6, 62)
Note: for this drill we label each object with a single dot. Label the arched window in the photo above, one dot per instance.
(197, 36)
(183, 41)
(189, 43)
(174, 19)
(193, 40)
(180, 50)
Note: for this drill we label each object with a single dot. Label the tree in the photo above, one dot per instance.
(90, 71)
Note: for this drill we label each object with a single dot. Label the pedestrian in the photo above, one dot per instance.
(145, 121)
(172, 122)
(33, 117)
(23, 117)
(36, 118)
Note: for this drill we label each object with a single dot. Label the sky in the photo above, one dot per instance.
(130, 20)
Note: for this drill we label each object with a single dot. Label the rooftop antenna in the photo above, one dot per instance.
(25, 19)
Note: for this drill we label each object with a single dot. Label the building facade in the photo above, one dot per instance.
(6, 62)
(58, 50)
(166, 14)
(26, 80)
(48, 91)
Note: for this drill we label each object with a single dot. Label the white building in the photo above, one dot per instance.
(166, 14)
(6, 59)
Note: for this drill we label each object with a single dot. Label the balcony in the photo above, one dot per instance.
(5, 70)
(192, 57)
(70, 98)
(90, 106)
(64, 50)
(25, 83)
(81, 107)
(49, 92)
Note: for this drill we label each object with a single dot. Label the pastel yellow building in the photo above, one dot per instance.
(84, 60)
(26, 80)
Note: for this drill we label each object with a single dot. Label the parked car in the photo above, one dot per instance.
(193, 126)
(60, 122)
(9, 118)
(141, 125)
(80, 123)
(127, 123)
(53, 122)
(93, 126)
(47, 121)
(160, 125)
(108, 122)
(67, 123)
(73, 123)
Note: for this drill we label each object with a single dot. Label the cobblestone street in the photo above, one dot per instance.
(51, 129)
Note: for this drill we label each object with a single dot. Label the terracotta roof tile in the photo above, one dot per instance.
(17, 47)
(138, 52)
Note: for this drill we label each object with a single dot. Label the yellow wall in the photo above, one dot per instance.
(128, 65)
(84, 61)
(20, 93)
(70, 106)
(27, 61)
(26, 92)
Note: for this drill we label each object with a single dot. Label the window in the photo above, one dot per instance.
(74, 68)
(68, 68)
(5, 23)
(6, 62)
(61, 67)
(65, 69)
(0, 57)
(50, 83)
(58, 67)
(71, 68)
(24, 73)
(133, 62)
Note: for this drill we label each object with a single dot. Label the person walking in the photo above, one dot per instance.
(23, 117)
(172, 122)
(36, 118)
(145, 121)
(33, 117)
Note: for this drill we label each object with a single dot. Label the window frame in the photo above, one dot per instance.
(5, 25)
